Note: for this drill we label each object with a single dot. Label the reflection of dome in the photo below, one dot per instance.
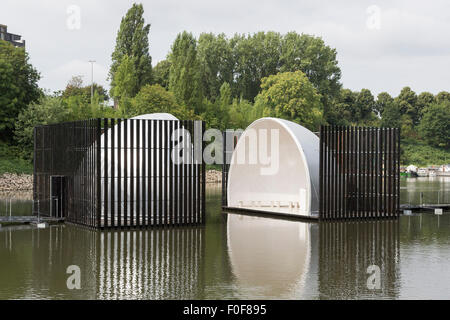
(270, 255)
(293, 154)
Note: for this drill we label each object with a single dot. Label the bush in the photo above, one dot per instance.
(435, 125)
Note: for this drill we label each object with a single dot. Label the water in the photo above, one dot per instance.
(234, 257)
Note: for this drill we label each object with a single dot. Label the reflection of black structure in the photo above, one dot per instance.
(347, 249)
(120, 173)
(157, 264)
(359, 172)
(122, 264)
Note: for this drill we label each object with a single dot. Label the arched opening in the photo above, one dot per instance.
(275, 167)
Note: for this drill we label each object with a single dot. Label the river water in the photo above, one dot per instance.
(236, 256)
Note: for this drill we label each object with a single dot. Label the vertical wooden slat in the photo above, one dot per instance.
(390, 167)
(166, 171)
(189, 175)
(185, 169)
(194, 172)
(105, 174)
(203, 178)
(176, 179)
(113, 168)
(119, 172)
(132, 173)
(338, 171)
(143, 178)
(385, 178)
(160, 173)
(155, 172)
(125, 174)
(398, 171)
(376, 171)
(171, 169)
(321, 184)
(98, 173)
(328, 176)
(138, 176)
(149, 171)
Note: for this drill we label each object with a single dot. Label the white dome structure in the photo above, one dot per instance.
(139, 161)
(275, 168)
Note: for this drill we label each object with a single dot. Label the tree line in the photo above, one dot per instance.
(226, 81)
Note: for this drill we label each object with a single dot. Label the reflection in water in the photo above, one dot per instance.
(141, 264)
(233, 257)
(347, 249)
(268, 256)
(159, 264)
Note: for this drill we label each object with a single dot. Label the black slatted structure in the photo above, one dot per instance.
(229, 141)
(121, 172)
(359, 172)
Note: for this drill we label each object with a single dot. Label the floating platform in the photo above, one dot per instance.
(425, 206)
(15, 220)
(271, 214)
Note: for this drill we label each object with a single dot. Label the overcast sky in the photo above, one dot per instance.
(381, 45)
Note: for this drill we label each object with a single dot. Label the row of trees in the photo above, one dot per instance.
(228, 82)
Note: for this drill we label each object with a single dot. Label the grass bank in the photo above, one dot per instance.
(420, 154)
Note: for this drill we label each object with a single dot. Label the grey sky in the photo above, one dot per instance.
(410, 48)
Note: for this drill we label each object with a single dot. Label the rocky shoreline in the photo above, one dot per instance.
(24, 182)
(16, 182)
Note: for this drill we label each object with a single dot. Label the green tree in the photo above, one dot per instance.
(383, 99)
(75, 87)
(47, 110)
(126, 86)
(216, 63)
(364, 105)
(407, 102)
(435, 125)
(132, 44)
(391, 116)
(290, 95)
(240, 113)
(216, 115)
(161, 73)
(256, 56)
(184, 78)
(318, 61)
(443, 96)
(155, 99)
(424, 100)
(18, 86)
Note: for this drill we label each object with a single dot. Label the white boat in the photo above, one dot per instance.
(432, 173)
(422, 172)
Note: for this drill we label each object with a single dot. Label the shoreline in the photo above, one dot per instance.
(10, 182)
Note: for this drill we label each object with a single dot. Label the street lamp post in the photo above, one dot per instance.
(92, 80)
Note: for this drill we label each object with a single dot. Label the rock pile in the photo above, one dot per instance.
(213, 176)
(23, 182)
(15, 182)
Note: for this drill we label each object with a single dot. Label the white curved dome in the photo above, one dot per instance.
(156, 116)
(294, 187)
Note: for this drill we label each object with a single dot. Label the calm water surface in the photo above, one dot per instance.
(235, 256)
